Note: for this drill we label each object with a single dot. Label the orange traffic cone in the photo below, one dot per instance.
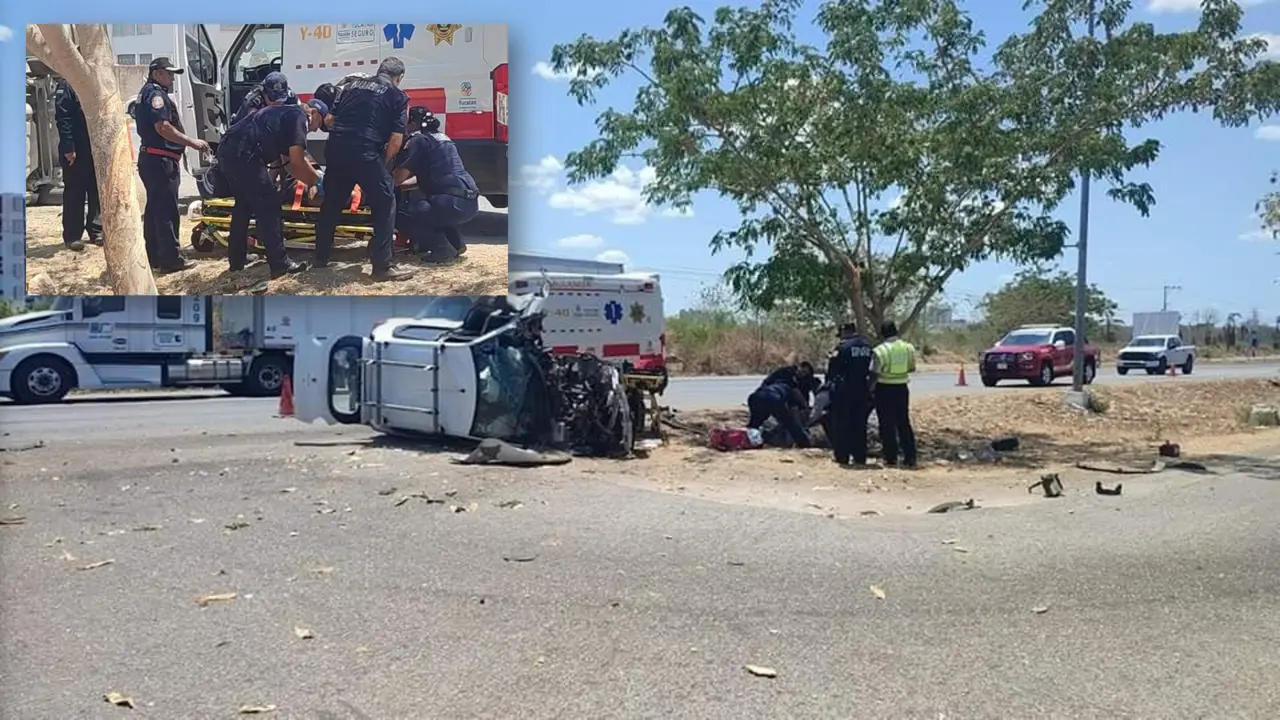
(1173, 371)
(960, 380)
(286, 398)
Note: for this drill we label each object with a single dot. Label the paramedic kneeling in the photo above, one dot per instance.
(160, 130)
(783, 395)
(366, 131)
(445, 198)
(275, 134)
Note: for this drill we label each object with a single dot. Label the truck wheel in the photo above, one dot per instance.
(1090, 372)
(1122, 371)
(42, 379)
(1045, 378)
(266, 375)
(989, 381)
(1163, 368)
(1189, 365)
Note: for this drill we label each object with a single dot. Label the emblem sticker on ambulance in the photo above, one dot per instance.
(613, 312)
(637, 313)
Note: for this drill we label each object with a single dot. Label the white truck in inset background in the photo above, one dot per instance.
(1156, 354)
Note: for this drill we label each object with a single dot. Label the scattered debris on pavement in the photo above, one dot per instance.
(1101, 489)
(206, 600)
(762, 671)
(953, 506)
(13, 520)
(96, 565)
(119, 700)
(520, 557)
(498, 452)
(38, 444)
(1040, 609)
(256, 709)
(303, 633)
(1155, 467)
(877, 591)
(1170, 450)
(1049, 483)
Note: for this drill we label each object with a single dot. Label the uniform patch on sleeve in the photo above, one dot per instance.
(157, 102)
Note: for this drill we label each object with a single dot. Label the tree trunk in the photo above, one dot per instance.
(90, 71)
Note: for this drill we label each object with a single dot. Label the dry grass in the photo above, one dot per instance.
(1202, 416)
(483, 270)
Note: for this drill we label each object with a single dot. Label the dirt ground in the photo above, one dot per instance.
(483, 271)
(1206, 418)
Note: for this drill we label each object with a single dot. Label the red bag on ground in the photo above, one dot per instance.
(730, 439)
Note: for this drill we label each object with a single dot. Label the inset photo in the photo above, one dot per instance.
(212, 159)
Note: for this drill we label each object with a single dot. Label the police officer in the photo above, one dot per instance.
(159, 165)
(893, 361)
(783, 395)
(328, 93)
(365, 134)
(446, 195)
(257, 99)
(849, 372)
(272, 137)
(79, 181)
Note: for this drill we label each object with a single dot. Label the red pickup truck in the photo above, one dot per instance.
(1037, 354)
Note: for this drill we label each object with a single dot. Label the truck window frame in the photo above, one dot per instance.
(202, 59)
(98, 305)
(169, 307)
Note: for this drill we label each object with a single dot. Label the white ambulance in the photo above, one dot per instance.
(458, 72)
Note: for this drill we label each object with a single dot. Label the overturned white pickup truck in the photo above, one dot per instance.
(1156, 354)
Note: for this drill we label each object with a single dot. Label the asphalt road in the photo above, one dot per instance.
(596, 600)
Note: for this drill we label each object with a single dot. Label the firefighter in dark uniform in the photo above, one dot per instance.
(271, 137)
(783, 395)
(365, 135)
(849, 372)
(80, 208)
(446, 196)
(257, 99)
(159, 165)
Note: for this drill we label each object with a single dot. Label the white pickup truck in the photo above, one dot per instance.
(1156, 354)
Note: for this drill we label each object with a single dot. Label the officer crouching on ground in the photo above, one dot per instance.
(80, 208)
(159, 165)
(783, 395)
(893, 362)
(849, 372)
(366, 131)
(446, 195)
(273, 135)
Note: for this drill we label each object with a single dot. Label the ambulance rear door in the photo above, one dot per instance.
(615, 317)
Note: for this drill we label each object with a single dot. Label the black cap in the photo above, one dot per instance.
(163, 63)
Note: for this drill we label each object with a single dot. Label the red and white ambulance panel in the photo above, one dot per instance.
(458, 72)
(614, 317)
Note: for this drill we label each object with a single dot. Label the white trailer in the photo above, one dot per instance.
(244, 345)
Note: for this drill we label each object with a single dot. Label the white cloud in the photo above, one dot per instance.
(1267, 132)
(582, 242)
(541, 177)
(614, 256)
(1273, 45)
(6, 33)
(546, 71)
(1258, 235)
(1180, 6)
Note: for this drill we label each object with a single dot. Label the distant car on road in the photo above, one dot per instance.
(1037, 354)
(1156, 354)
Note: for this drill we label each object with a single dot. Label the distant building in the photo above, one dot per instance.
(139, 44)
(528, 262)
(13, 247)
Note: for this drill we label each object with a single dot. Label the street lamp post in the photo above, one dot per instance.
(1164, 307)
(1082, 264)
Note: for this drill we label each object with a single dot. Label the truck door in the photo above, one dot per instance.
(256, 51)
(1064, 358)
(205, 107)
(103, 330)
(327, 377)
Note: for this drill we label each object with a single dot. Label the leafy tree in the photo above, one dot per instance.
(902, 101)
(1036, 297)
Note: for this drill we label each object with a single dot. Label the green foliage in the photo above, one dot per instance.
(1037, 297)
(981, 149)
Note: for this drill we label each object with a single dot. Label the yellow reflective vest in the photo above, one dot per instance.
(893, 362)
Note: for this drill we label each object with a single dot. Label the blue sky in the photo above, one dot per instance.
(1200, 236)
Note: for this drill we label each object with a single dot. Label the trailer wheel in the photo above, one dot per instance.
(42, 379)
(266, 375)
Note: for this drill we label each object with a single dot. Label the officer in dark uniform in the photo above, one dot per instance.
(159, 165)
(79, 181)
(849, 372)
(271, 137)
(446, 195)
(329, 93)
(783, 395)
(365, 134)
(257, 99)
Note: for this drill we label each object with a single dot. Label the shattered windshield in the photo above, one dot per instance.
(1027, 337)
(503, 370)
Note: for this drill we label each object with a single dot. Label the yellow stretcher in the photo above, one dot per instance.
(213, 226)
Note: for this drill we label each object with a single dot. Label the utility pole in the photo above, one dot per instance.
(1082, 264)
(1164, 307)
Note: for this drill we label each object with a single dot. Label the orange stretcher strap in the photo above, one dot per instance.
(297, 195)
(356, 195)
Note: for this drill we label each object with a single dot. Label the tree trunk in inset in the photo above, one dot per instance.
(90, 71)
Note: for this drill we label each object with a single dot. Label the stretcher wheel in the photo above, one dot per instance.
(202, 239)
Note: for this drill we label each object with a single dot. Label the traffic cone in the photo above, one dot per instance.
(960, 380)
(286, 398)
(1173, 371)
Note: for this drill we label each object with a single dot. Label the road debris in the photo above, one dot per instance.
(1050, 484)
(761, 671)
(870, 513)
(388, 491)
(96, 565)
(256, 709)
(877, 591)
(469, 507)
(1101, 489)
(496, 452)
(959, 549)
(23, 448)
(148, 528)
(206, 600)
(1156, 466)
(418, 495)
(237, 525)
(510, 504)
(1040, 609)
(13, 520)
(953, 506)
(303, 633)
(119, 700)
(321, 570)
(520, 557)
(950, 541)
(1170, 450)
